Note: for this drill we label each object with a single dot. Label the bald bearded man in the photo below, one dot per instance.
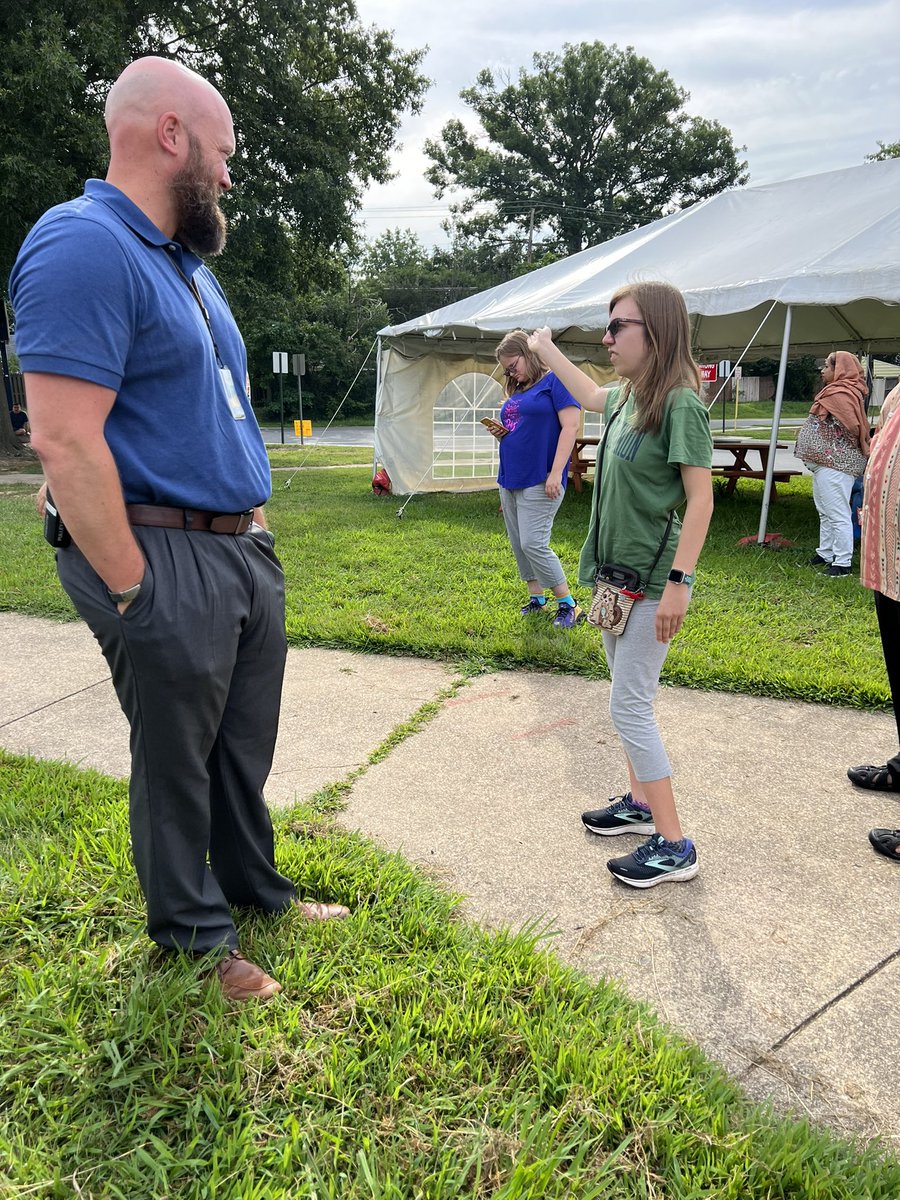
(135, 375)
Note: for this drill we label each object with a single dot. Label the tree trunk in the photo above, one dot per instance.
(10, 445)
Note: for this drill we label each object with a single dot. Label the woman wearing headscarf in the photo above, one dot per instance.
(834, 444)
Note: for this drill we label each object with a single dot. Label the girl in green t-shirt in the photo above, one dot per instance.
(658, 456)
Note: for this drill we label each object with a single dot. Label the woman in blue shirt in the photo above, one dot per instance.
(537, 430)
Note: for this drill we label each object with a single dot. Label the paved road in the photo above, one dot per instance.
(364, 436)
(338, 435)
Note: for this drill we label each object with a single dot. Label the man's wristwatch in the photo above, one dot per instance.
(125, 597)
(676, 576)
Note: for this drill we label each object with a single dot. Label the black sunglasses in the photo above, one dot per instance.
(617, 323)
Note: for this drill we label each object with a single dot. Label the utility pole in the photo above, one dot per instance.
(299, 365)
(530, 234)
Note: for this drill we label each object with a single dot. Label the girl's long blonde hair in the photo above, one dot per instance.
(670, 363)
(515, 345)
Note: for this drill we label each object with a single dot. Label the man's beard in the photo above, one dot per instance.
(200, 224)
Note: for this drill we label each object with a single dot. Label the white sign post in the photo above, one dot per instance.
(280, 368)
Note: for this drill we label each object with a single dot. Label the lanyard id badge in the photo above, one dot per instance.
(233, 400)
(231, 395)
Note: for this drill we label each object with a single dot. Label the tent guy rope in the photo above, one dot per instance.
(318, 442)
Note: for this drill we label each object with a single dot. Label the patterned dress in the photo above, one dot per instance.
(880, 545)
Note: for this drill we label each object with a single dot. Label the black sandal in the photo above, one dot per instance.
(886, 842)
(877, 779)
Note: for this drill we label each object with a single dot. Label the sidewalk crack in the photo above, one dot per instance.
(823, 1008)
(57, 700)
(333, 797)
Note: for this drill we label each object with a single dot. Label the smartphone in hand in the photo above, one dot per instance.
(494, 427)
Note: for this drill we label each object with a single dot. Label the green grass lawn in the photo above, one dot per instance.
(441, 582)
(759, 408)
(19, 466)
(318, 456)
(411, 1055)
(786, 433)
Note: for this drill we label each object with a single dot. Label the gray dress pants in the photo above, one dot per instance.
(197, 661)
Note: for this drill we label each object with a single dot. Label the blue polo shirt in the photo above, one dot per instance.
(528, 450)
(98, 296)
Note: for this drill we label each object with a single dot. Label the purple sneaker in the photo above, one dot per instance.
(568, 616)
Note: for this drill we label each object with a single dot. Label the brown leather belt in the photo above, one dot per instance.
(189, 518)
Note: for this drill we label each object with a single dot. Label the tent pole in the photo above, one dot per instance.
(776, 420)
(377, 397)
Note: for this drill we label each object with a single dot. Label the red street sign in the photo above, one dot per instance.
(708, 372)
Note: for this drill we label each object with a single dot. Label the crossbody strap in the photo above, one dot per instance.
(600, 456)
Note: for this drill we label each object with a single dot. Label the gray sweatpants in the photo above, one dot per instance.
(635, 661)
(528, 513)
(197, 662)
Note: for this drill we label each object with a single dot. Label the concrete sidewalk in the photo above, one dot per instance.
(782, 959)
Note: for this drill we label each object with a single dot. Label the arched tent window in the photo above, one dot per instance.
(463, 448)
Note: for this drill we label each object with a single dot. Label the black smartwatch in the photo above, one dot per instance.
(125, 597)
(676, 576)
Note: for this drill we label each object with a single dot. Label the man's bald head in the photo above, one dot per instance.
(170, 138)
(150, 87)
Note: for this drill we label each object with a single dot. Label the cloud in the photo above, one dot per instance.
(804, 88)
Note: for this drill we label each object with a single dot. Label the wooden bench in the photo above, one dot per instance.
(737, 473)
(579, 465)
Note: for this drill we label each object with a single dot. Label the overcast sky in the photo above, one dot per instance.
(805, 87)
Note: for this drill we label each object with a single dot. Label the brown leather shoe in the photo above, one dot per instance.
(241, 979)
(315, 910)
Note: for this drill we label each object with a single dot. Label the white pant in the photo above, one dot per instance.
(831, 495)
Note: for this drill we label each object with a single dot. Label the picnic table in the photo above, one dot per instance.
(579, 464)
(741, 467)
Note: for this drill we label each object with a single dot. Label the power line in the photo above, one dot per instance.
(500, 208)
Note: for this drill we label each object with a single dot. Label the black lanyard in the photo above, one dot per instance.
(195, 292)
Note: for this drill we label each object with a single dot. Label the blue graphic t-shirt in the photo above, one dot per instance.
(528, 450)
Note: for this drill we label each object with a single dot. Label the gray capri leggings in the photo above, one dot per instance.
(528, 513)
(635, 660)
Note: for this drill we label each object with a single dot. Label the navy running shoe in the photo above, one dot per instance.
(620, 816)
(657, 861)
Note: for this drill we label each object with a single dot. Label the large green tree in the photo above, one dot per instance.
(411, 280)
(592, 142)
(317, 100)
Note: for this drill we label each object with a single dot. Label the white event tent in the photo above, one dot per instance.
(799, 267)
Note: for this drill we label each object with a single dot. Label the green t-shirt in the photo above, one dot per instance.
(641, 484)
